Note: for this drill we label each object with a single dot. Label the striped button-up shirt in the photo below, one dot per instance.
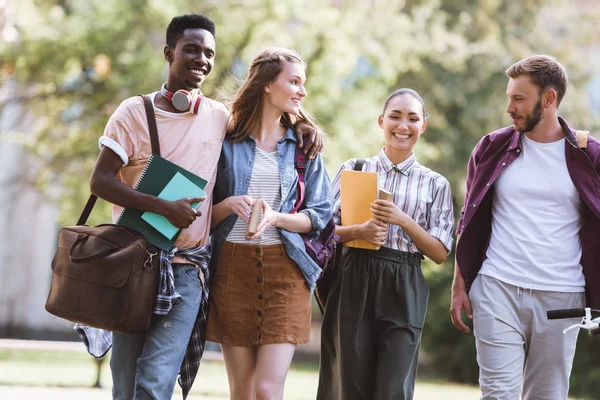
(423, 194)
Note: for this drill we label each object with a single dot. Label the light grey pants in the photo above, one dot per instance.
(518, 349)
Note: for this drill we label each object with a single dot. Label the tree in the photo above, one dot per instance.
(76, 62)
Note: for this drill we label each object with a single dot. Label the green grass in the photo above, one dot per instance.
(64, 375)
(51, 370)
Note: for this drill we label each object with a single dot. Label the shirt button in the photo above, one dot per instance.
(260, 296)
(474, 205)
(259, 279)
(518, 150)
(257, 250)
(504, 164)
(487, 184)
(259, 264)
(260, 313)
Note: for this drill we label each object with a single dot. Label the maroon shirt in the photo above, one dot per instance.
(491, 156)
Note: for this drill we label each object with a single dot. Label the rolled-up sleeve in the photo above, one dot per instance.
(318, 201)
(337, 197)
(117, 133)
(441, 213)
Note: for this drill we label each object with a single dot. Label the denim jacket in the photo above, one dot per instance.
(233, 178)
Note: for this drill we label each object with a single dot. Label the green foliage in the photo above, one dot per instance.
(452, 351)
(586, 372)
(76, 60)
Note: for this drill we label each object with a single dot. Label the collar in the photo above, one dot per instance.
(569, 133)
(515, 141)
(289, 135)
(404, 167)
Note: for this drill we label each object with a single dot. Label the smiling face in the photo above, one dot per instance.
(191, 60)
(403, 123)
(287, 90)
(524, 103)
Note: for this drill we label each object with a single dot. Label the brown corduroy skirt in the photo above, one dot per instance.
(258, 296)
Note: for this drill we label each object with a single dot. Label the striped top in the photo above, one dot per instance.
(423, 194)
(264, 184)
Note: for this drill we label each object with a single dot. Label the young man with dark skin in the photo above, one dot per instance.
(145, 366)
(528, 239)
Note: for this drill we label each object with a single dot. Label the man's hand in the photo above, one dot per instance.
(314, 139)
(180, 213)
(241, 205)
(459, 301)
(374, 232)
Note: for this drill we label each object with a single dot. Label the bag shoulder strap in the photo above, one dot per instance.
(151, 124)
(151, 117)
(582, 138)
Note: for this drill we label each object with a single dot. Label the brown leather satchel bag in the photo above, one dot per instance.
(106, 276)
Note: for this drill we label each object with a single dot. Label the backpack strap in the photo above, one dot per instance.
(582, 138)
(359, 164)
(151, 117)
(300, 164)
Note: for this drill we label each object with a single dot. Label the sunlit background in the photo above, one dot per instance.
(66, 65)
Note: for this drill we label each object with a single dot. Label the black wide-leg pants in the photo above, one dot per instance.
(372, 326)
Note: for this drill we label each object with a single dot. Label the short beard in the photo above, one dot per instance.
(534, 118)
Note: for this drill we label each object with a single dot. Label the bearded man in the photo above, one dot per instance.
(528, 239)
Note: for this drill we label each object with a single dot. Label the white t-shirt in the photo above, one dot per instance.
(536, 222)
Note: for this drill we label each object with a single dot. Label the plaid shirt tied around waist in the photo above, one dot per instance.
(98, 341)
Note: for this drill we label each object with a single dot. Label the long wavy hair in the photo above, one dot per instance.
(248, 101)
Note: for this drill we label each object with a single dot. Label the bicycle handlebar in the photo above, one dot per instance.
(571, 313)
(593, 329)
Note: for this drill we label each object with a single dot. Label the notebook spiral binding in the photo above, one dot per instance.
(138, 183)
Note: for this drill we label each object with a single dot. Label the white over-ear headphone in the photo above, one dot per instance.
(183, 100)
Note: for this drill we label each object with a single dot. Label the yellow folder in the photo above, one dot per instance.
(358, 190)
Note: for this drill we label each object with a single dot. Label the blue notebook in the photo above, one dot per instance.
(178, 187)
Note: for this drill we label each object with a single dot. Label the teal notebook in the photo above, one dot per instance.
(178, 187)
(160, 175)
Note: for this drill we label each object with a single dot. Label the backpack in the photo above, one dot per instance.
(323, 249)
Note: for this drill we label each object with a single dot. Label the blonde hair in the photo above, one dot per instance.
(248, 101)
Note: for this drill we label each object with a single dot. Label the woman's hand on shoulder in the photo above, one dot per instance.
(373, 231)
(389, 213)
(241, 206)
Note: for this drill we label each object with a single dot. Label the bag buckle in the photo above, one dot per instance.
(148, 262)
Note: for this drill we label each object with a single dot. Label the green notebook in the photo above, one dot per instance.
(178, 187)
(163, 179)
